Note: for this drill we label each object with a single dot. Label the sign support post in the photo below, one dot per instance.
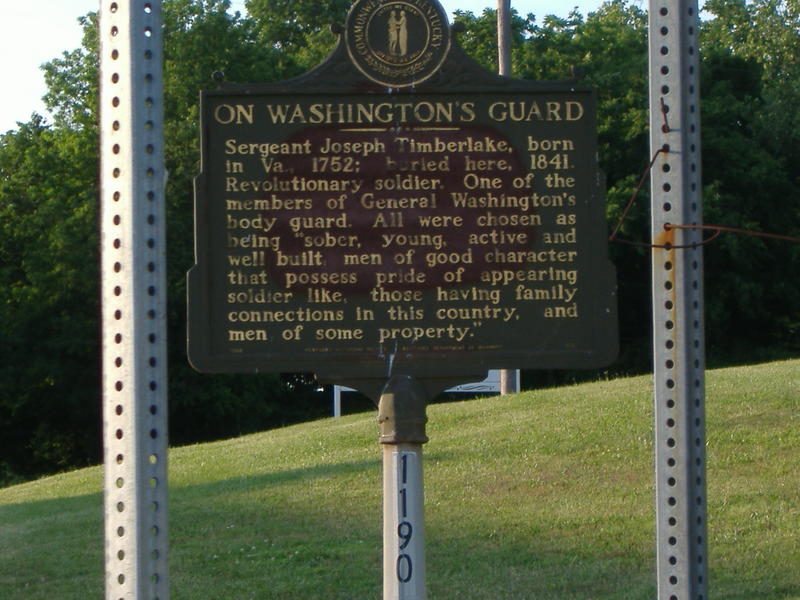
(401, 414)
(508, 377)
(134, 301)
(677, 302)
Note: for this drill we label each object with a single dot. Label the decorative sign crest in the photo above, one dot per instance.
(397, 43)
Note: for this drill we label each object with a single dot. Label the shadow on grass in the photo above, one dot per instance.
(315, 533)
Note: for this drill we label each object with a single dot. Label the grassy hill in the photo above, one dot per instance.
(541, 495)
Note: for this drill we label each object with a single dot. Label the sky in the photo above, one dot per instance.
(33, 32)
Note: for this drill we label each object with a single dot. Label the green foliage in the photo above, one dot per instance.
(734, 161)
(48, 298)
(299, 31)
(750, 73)
(200, 39)
(751, 158)
(479, 38)
(290, 24)
(49, 359)
(72, 81)
(608, 49)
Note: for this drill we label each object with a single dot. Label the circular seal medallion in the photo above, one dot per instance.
(397, 43)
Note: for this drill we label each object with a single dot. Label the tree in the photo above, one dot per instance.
(289, 24)
(751, 160)
(49, 359)
(749, 74)
(479, 38)
(607, 49)
(200, 39)
(48, 299)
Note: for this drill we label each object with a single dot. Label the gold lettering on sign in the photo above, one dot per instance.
(350, 233)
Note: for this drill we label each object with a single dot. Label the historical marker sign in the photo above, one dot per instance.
(400, 210)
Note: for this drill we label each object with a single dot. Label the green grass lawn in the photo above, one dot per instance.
(540, 495)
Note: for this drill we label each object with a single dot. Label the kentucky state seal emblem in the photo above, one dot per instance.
(397, 43)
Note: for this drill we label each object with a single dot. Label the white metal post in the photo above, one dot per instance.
(404, 523)
(337, 401)
(509, 378)
(134, 300)
(401, 414)
(679, 353)
(504, 37)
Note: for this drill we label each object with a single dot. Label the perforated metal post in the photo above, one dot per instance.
(679, 353)
(134, 298)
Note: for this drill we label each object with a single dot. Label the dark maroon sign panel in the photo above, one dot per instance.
(356, 231)
(329, 230)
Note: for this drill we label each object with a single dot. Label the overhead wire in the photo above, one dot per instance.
(717, 229)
